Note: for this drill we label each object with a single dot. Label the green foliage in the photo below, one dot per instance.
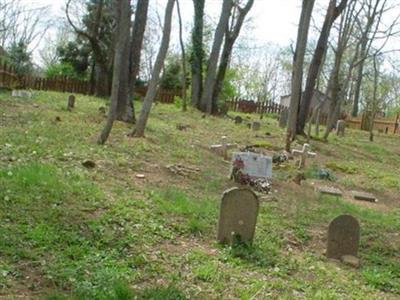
(162, 293)
(178, 102)
(73, 233)
(345, 167)
(62, 69)
(20, 58)
(198, 213)
(228, 87)
(74, 59)
(171, 78)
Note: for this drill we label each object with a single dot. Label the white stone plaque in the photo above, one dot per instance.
(253, 164)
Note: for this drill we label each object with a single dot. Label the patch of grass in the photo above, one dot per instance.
(345, 166)
(199, 214)
(162, 293)
(104, 234)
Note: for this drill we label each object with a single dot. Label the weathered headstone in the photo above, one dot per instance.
(21, 93)
(340, 127)
(238, 216)
(283, 118)
(343, 237)
(363, 196)
(254, 165)
(238, 120)
(304, 153)
(328, 190)
(256, 126)
(223, 147)
(71, 102)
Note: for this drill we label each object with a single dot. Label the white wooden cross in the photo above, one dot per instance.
(304, 153)
(223, 147)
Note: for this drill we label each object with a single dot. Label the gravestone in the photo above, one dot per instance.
(363, 196)
(303, 153)
(223, 147)
(256, 126)
(340, 127)
(238, 120)
(283, 118)
(71, 102)
(328, 190)
(252, 164)
(238, 216)
(21, 93)
(343, 237)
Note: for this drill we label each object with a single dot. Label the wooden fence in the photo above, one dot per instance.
(250, 106)
(9, 79)
(381, 124)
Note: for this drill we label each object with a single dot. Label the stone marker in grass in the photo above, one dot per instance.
(238, 120)
(256, 126)
(364, 196)
(303, 153)
(223, 147)
(329, 190)
(340, 127)
(343, 237)
(238, 216)
(71, 102)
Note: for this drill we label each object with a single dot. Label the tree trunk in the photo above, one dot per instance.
(122, 8)
(230, 37)
(331, 15)
(155, 78)
(102, 82)
(209, 83)
(198, 53)
(358, 83)
(297, 73)
(183, 58)
(136, 44)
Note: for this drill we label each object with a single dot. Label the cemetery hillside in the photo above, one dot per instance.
(139, 216)
(198, 149)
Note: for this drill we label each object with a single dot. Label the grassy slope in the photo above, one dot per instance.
(105, 234)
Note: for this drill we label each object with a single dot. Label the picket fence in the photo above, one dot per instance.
(9, 79)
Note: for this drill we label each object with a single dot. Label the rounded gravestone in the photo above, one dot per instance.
(343, 237)
(238, 215)
(238, 120)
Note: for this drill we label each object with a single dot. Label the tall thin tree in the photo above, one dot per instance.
(183, 59)
(333, 12)
(297, 72)
(155, 78)
(123, 14)
(212, 64)
(231, 34)
(197, 52)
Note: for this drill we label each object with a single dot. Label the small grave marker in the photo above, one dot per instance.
(256, 126)
(343, 237)
(283, 118)
(71, 102)
(363, 196)
(223, 147)
(304, 153)
(329, 191)
(238, 216)
(253, 164)
(238, 120)
(340, 127)
(21, 93)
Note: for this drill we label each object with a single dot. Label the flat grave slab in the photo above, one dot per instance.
(363, 196)
(253, 164)
(328, 190)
